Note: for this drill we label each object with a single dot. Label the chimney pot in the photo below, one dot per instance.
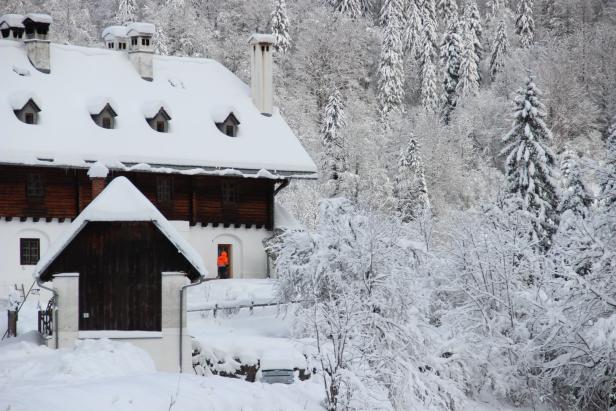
(261, 83)
(36, 40)
(98, 175)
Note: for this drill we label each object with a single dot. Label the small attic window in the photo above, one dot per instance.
(160, 122)
(106, 117)
(229, 126)
(28, 113)
(110, 45)
(122, 46)
(145, 42)
(133, 41)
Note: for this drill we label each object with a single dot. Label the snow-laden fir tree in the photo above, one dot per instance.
(334, 161)
(447, 11)
(468, 81)
(608, 174)
(126, 12)
(161, 41)
(410, 189)
(575, 198)
(474, 30)
(280, 26)
(428, 56)
(524, 23)
(451, 54)
(391, 71)
(352, 8)
(411, 35)
(530, 163)
(500, 49)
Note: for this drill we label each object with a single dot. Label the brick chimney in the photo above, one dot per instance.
(261, 49)
(98, 175)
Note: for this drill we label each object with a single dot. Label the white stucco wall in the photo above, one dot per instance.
(11, 272)
(248, 258)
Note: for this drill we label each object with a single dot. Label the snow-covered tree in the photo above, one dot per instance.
(575, 198)
(447, 11)
(334, 161)
(473, 31)
(494, 7)
(280, 26)
(161, 41)
(608, 173)
(525, 23)
(468, 81)
(410, 189)
(452, 48)
(500, 50)
(530, 164)
(391, 70)
(427, 57)
(352, 8)
(411, 35)
(127, 11)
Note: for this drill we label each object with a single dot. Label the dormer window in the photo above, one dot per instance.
(133, 41)
(122, 46)
(28, 113)
(110, 45)
(160, 121)
(145, 41)
(229, 126)
(105, 118)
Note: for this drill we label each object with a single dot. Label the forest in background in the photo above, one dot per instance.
(461, 235)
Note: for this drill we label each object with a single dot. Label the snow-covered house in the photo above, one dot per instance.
(209, 151)
(119, 271)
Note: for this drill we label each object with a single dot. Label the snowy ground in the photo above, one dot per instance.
(105, 375)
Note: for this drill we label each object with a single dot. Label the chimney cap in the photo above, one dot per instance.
(113, 32)
(12, 20)
(39, 18)
(140, 29)
(261, 38)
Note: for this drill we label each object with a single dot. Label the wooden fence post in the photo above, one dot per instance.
(12, 323)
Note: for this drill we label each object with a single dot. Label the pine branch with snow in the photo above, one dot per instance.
(447, 11)
(334, 160)
(468, 82)
(126, 12)
(410, 188)
(427, 58)
(412, 28)
(452, 48)
(473, 30)
(352, 8)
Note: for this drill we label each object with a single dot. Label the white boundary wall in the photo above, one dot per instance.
(248, 258)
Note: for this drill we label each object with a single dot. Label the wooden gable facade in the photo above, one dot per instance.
(45, 193)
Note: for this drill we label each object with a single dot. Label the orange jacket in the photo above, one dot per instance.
(223, 260)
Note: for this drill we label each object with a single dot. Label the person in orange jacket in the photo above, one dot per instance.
(223, 264)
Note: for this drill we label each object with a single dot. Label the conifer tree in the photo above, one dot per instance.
(280, 26)
(391, 71)
(447, 11)
(334, 161)
(468, 81)
(410, 189)
(352, 8)
(412, 29)
(473, 30)
(428, 56)
(530, 165)
(451, 54)
(161, 41)
(575, 198)
(127, 10)
(500, 49)
(524, 23)
(608, 175)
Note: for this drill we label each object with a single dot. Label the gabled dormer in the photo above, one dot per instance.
(28, 113)
(105, 118)
(229, 125)
(160, 121)
(115, 38)
(11, 26)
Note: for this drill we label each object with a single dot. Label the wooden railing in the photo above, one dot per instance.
(45, 320)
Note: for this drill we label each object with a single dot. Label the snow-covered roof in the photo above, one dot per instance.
(39, 18)
(261, 38)
(12, 20)
(121, 201)
(19, 99)
(98, 170)
(140, 29)
(112, 32)
(194, 90)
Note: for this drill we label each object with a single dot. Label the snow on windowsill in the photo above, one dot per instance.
(119, 334)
